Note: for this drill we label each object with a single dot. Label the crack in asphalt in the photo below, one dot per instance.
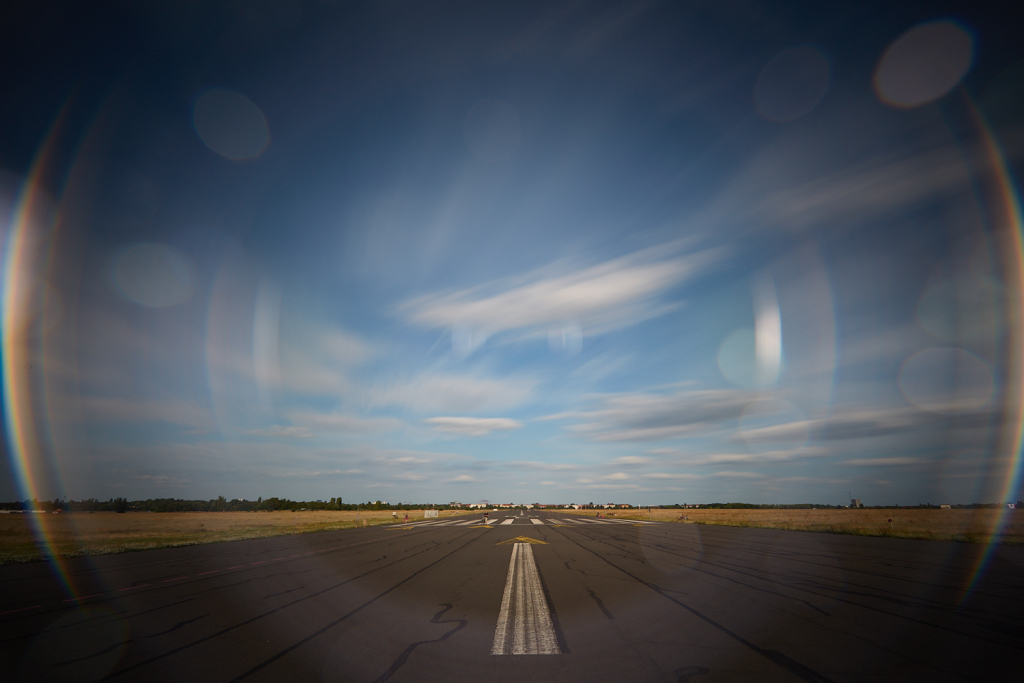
(256, 618)
(791, 665)
(294, 646)
(882, 598)
(404, 657)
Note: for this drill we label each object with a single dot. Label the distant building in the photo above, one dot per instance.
(855, 503)
(945, 507)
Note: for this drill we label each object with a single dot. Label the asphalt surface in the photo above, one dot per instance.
(621, 601)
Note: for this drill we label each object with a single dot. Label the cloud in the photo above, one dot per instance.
(659, 417)
(317, 474)
(141, 410)
(631, 460)
(672, 475)
(689, 458)
(318, 362)
(786, 185)
(536, 465)
(616, 476)
(455, 393)
(464, 477)
(601, 298)
(883, 462)
(282, 431)
(473, 426)
(852, 423)
(339, 422)
(156, 479)
(738, 475)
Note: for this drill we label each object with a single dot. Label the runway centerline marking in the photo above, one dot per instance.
(524, 623)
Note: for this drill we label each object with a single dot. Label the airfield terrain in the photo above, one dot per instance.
(963, 525)
(103, 533)
(540, 597)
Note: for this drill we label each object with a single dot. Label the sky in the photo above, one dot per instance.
(638, 252)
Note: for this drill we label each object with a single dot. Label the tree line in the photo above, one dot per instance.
(219, 504)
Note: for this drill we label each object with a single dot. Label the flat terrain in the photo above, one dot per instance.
(102, 533)
(606, 600)
(967, 526)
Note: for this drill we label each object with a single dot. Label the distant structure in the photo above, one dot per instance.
(855, 503)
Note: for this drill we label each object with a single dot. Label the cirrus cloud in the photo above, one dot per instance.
(473, 426)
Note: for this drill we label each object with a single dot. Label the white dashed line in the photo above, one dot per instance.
(536, 521)
(509, 520)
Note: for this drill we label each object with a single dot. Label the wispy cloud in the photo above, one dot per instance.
(341, 422)
(632, 461)
(291, 432)
(433, 392)
(672, 475)
(608, 296)
(536, 465)
(659, 417)
(883, 462)
(319, 362)
(317, 474)
(729, 474)
(684, 457)
(785, 184)
(141, 410)
(473, 426)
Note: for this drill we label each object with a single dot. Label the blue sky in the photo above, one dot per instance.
(601, 252)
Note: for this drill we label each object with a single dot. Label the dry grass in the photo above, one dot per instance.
(103, 533)
(965, 526)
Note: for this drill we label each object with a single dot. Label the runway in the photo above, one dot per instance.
(538, 597)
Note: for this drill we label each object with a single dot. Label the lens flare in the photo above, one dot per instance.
(25, 256)
(1009, 224)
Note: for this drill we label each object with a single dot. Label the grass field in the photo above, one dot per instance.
(966, 526)
(103, 533)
